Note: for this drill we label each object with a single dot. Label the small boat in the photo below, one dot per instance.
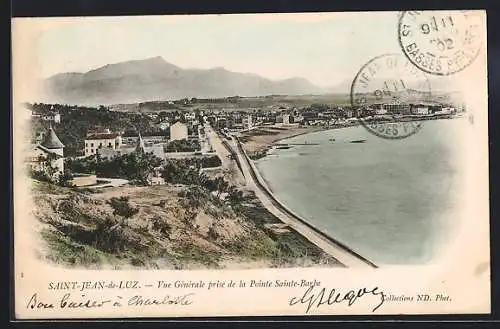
(357, 141)
(283, 147)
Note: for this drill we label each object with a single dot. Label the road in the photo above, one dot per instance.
(216, 143)
(254, 181)
(110, 182)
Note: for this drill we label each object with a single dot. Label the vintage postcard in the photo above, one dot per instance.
(251, 165)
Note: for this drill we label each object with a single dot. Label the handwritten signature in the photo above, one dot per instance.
(311, 298)
(82, 301)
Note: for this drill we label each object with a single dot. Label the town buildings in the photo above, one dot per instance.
(140, 146)
(397, 108)
(287, 119)
(402, 109)
(50, 116)
(148, 140)
(420, 110)
(163, 125)
(247, 121)
(54, 117)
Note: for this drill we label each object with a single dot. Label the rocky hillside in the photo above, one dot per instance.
(164, 227)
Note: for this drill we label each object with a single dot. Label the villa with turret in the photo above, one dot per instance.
(50, 147)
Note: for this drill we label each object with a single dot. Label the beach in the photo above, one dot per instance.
(256, 142)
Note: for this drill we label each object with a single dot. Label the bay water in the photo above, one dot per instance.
(385, 199)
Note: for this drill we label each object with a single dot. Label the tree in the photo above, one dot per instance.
(145, 163)
(212, 161)
(121, 207)
(65, 178)
(182, 145)
(133, 166)
(235, 195)
(47, 172)
(222, 185)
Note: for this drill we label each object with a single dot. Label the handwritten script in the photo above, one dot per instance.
(316, 298)
(69, 301)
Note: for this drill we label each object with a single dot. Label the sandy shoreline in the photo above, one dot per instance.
(271, 135)
(257, 146)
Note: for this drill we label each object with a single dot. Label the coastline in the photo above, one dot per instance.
(258, 146)
(263, 145)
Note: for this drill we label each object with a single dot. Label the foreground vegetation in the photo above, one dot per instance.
(165, 227)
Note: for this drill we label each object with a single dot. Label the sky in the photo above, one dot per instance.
(325, 48)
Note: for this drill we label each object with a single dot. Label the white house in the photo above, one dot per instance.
(420, 110)
(287, 119)
(163, 125)
(446, 110)
(190, 116)
(178, 131)
(248, 121)
(95, 141)
(54, 117)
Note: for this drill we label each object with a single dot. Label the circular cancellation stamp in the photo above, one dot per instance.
(389, 95)
(440, 42)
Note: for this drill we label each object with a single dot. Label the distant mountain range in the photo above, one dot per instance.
(156, 79)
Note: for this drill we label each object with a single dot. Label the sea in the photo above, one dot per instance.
(389, 200)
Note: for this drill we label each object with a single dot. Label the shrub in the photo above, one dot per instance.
(122, 207)
(133, 166)
(182, 145)
(65, 178)
(212, 233)
(161, 225)
(211, 161)
(114, 236)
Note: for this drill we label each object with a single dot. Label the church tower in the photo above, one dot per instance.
(53, 143)
(140, 148)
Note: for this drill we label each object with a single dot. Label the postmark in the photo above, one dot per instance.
(440, 42)
(390, 95)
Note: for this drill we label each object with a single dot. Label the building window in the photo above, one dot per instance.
(91, 150)
(100, 145)
(109, 144)
(86, 144)
(91, 144)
